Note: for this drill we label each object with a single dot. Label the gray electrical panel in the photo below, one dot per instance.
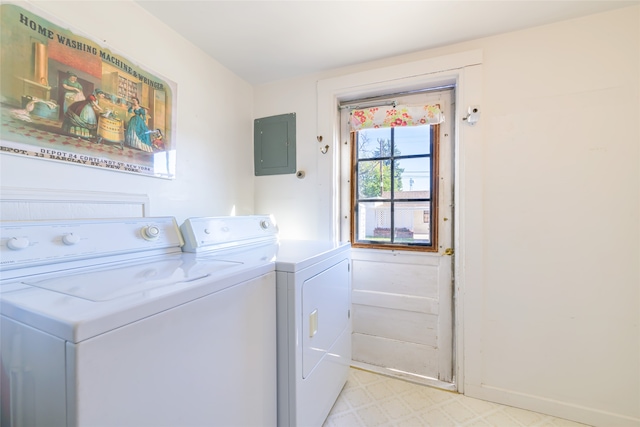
(274, 144)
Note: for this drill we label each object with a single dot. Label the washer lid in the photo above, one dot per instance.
(119, 281)
(75, 315)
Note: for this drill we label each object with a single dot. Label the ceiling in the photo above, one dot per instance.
(264, 41)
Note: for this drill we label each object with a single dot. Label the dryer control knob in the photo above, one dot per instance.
(264, 224)
(151, 232)
(17, 243)
(70, 239)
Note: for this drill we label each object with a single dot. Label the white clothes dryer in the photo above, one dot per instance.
(108, 322)
(313, 282)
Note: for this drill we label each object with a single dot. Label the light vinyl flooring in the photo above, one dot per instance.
(373, 400)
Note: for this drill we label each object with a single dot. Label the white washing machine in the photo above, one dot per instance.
(109, 323)
(313, 281)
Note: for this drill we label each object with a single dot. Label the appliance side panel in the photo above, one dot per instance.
(286, 348)
(32, 377)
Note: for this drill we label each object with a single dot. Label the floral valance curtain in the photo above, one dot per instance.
(400, 115)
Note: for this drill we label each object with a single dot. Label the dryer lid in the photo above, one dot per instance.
(296, 255)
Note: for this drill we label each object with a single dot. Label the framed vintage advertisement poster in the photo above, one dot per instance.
(64, 97)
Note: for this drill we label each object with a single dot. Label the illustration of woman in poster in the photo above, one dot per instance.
(73, 91)
(137, 133)
(81, 118)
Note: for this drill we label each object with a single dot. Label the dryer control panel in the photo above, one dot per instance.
(215, 233)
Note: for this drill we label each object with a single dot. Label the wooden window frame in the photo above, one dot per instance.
(433, 200)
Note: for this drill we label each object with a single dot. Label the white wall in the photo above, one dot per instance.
(559, 317)
(215, 149)
(551, 315)
(293, 201)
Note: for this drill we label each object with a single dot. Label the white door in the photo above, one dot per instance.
(402, 300)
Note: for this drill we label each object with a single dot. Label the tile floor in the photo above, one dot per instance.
(369, 400)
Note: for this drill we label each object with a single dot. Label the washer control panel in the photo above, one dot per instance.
(24, 244)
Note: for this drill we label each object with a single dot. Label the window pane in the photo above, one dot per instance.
(412, 222)
(373, 143)
(415, 176)
(412, 140)
(374, 222)
(374, 179)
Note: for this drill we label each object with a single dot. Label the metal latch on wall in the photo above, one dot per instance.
(473, 115)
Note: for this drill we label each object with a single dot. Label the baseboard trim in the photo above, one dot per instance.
(544, 405)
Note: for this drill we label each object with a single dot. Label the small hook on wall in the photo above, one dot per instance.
(324, 149)
(319, 138)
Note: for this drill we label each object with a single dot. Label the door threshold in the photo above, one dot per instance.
(406, 376)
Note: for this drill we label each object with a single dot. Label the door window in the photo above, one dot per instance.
(394, 172)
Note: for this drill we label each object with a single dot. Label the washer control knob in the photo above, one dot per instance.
(17, 243)
(265, 224)
(151, 232)
(70, 239)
